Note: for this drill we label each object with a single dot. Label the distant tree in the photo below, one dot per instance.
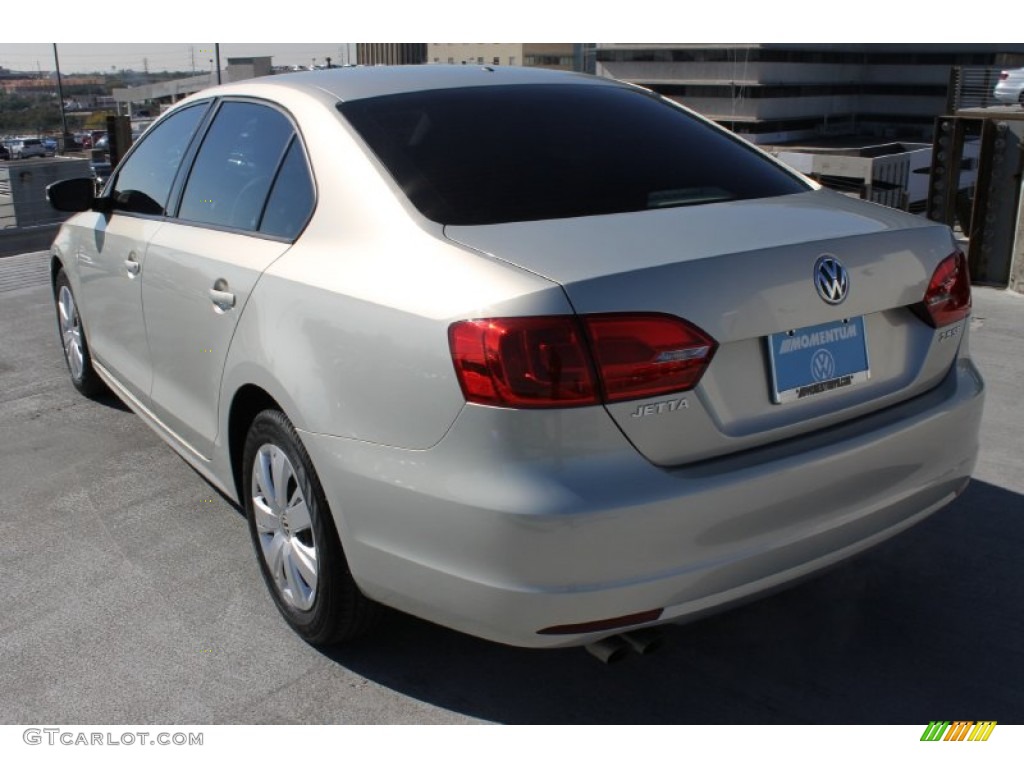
(28, 113)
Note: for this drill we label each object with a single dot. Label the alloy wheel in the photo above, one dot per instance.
(283, 525)
(71, 332)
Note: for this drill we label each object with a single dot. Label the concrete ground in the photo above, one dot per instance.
(131, 594)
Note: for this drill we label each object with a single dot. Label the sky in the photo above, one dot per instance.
(161, 57)
(635, 21)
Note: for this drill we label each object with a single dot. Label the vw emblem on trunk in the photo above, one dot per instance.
(831, 280)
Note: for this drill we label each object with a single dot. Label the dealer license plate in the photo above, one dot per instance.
(821, 358)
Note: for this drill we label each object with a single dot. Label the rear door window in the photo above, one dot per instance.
(236, 166)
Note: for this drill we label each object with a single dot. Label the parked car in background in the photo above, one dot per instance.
(5, 154)
(25, 148)
(50, 146)
(597, 366)
(1010, 88)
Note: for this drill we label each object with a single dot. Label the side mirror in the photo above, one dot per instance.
(72, 194)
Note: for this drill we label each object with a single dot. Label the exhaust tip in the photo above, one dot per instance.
(644, 641)
(609, 650)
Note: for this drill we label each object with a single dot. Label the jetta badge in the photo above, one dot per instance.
(831, 280)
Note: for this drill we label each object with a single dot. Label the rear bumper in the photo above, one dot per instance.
(520, 521)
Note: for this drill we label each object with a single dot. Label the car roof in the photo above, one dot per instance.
(351, 83)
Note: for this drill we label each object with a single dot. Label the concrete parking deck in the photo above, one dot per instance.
(131, 594)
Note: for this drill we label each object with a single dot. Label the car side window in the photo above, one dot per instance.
(291, 199)
(143, 183)
(235, 166)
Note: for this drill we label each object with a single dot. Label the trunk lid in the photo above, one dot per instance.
(742, 271)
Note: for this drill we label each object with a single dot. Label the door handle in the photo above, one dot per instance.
(132, 265)
(223, 300)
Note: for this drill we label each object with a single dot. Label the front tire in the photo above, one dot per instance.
(296, 543)
(72, 337)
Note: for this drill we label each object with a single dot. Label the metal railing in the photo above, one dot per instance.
(972, 88)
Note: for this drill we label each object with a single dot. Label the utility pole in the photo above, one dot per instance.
(216, 48)
(60, 95)
(192, 54)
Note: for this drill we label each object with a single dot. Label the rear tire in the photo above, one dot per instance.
(296, 543)
(72, 337)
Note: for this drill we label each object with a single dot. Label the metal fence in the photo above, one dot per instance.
(973, 87)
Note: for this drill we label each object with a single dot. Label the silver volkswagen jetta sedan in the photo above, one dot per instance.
(538, 356)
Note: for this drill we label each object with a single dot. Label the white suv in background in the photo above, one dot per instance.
(22, 148)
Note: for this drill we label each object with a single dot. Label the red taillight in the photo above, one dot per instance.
(647, 355)
(522, 362)
(948, 298)
(540, 362)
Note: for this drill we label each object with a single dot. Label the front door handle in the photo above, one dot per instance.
(132, 265)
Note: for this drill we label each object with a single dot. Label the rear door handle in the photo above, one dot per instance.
(224, 300)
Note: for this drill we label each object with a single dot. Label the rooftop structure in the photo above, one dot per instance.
(777, 93)
(173, 91)
(565, 56)
(391, 53)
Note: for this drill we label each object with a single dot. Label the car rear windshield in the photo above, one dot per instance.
(487, 155)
